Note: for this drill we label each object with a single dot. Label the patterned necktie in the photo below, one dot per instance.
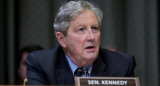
(80, 71)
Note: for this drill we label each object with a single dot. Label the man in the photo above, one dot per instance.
(21, 69)
(77, 27)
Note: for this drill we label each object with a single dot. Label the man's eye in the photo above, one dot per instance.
(95, 28)
(81, 29)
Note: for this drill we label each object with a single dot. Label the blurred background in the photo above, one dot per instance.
(131, 26)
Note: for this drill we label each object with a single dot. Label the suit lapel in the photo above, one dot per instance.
(63, 71)
(99, 68)
(64, 77)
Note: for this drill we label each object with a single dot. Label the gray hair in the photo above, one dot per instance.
(72, 9)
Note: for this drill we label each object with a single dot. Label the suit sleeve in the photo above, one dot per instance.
(35, 74)
(132, 67)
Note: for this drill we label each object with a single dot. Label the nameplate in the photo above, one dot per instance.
(107, 81)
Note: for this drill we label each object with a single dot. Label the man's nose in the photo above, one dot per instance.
(90, 36)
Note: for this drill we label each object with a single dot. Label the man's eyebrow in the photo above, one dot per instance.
(80, 25)
(83, 25)
(95, 25)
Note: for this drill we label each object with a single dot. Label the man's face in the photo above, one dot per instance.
(83, 39)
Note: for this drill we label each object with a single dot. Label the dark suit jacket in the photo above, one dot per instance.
(50, 67)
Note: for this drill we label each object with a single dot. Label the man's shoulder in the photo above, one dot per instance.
(47, 52)
(47, 55)
(115, 56)
(118, 63)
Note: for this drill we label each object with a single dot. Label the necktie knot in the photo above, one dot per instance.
(81, 71)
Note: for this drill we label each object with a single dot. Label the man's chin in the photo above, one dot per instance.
(88, 60)
(91, 57)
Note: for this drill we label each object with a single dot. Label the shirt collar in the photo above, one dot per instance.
(74, 66)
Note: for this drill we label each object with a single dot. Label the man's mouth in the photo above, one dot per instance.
(90, 48)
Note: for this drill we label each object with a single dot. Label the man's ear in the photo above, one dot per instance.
(61, 38)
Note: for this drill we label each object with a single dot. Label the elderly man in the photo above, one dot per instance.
(77, 28)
